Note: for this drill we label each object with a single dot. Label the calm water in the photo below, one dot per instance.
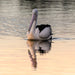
(19, 56)
(15, 16)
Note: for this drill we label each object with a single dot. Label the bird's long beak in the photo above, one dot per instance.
(33, 19)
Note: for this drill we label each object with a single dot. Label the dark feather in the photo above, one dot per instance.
(42, 26)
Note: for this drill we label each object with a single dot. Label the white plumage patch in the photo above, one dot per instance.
(45, 33)
(37, 33)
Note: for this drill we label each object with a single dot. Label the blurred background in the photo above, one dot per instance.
(15, 16)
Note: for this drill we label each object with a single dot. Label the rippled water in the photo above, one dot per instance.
(15, 16)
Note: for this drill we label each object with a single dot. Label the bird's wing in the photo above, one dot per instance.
(45, 33)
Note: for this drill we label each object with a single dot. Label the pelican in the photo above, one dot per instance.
(38, 32)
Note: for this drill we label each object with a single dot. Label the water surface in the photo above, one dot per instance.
(20, 57)
(15, 16)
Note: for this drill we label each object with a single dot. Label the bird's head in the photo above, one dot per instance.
(34, 13)
(34, 18)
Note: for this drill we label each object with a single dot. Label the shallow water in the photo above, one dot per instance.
(15, 16)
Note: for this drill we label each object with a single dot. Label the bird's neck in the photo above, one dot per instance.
(33, 27)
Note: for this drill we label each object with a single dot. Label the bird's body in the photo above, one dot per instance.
(38, 32)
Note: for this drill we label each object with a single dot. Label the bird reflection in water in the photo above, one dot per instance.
(37, 46)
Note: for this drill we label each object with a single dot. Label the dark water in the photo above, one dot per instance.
(15, 16)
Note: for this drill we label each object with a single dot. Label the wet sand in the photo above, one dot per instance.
(14, 58)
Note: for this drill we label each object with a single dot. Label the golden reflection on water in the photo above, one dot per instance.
(15, 60)
(37, 46)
